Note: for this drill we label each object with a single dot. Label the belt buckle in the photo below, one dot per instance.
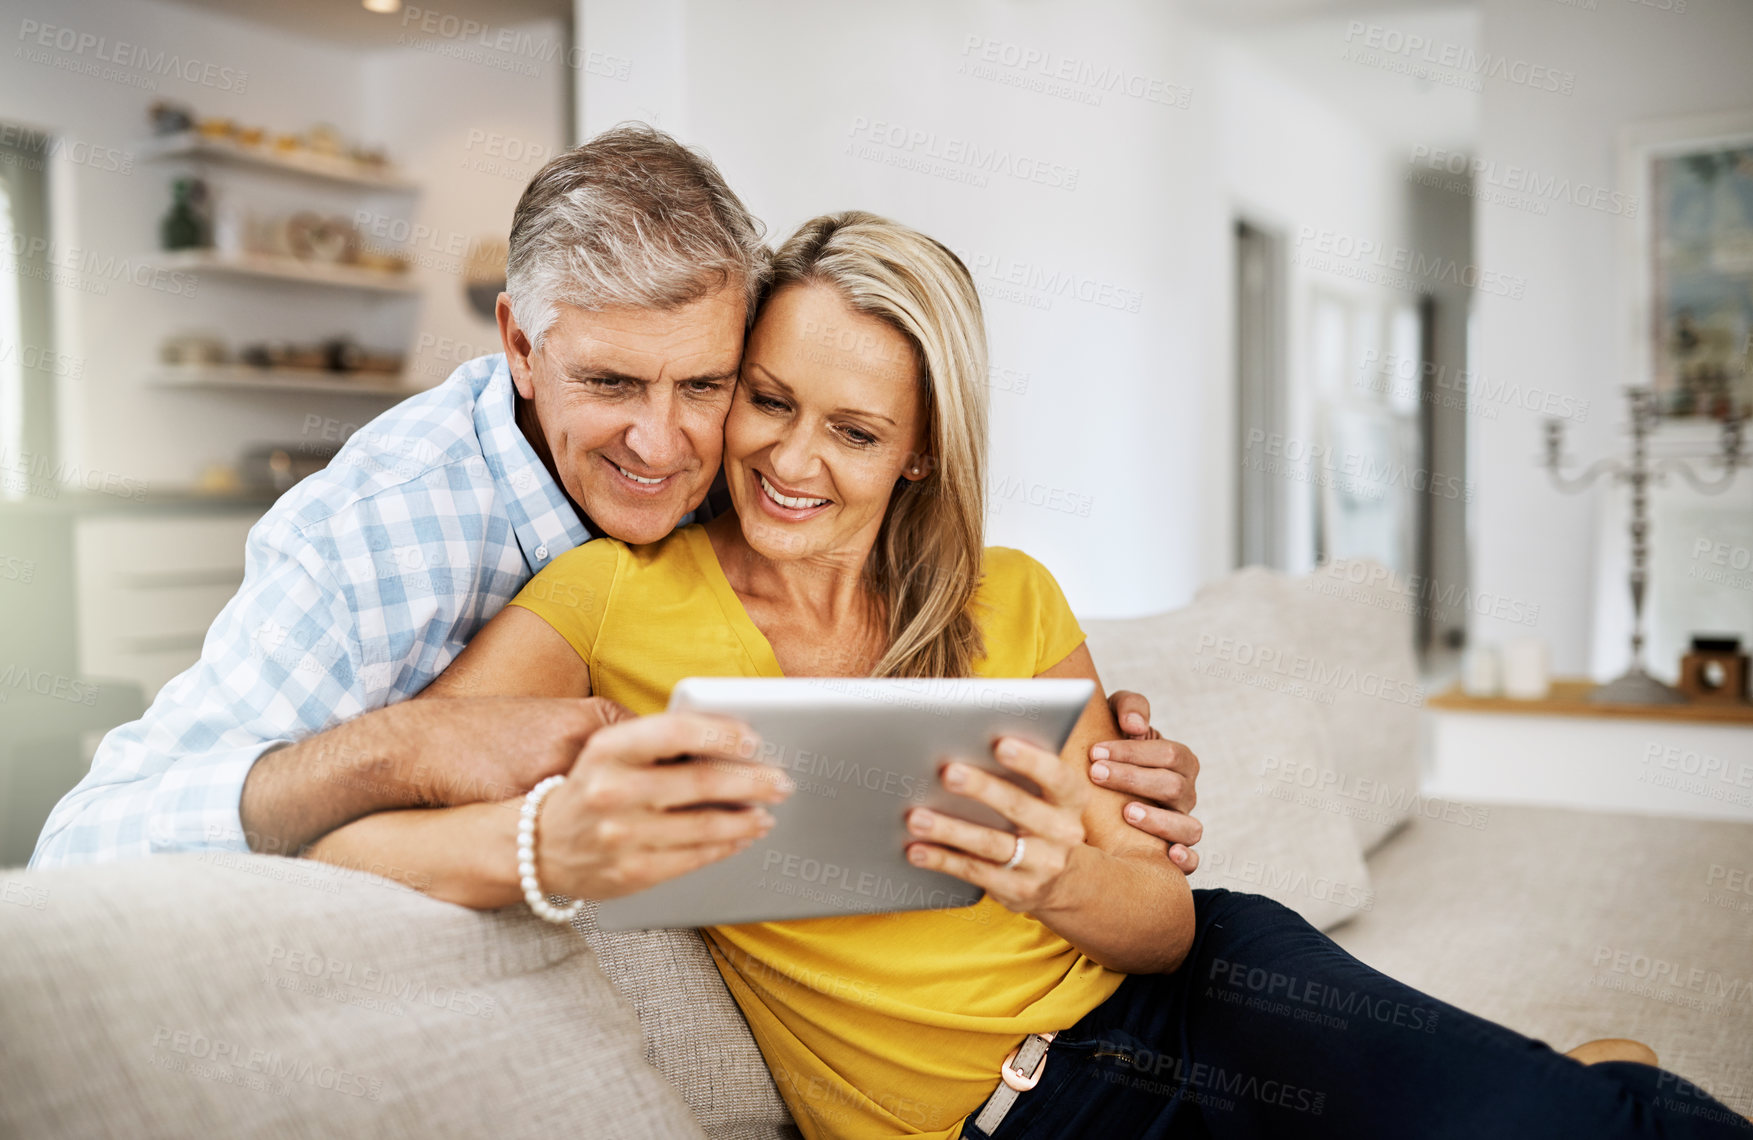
(1015, 1078)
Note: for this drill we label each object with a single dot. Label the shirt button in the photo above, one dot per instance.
(541, 552)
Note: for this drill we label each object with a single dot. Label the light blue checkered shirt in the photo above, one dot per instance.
(360, 586)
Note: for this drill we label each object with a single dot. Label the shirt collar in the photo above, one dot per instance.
(542, 517)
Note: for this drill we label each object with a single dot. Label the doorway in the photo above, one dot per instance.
(1260, 395)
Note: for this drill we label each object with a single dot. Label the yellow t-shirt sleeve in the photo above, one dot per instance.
(1024, 606)
(572, 592)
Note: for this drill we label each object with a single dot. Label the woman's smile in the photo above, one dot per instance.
(781, 502)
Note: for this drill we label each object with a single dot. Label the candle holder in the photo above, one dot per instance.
(1635, 686)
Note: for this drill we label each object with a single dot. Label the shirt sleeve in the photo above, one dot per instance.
(572, 593)
(277, 665)
(1057, 633)
(1027, 623)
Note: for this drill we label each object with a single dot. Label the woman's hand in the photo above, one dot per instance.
(1049, 828)
(625, 820)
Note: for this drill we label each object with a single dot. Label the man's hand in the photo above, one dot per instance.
(625, 819)
(414, 754)
(492, 748)
(1160, 772)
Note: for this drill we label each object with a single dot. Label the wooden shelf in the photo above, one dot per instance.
(1570, 698)
(329, 168)
(247, 377)
(274, 268)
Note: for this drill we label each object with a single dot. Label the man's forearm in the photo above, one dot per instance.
(297, 794)
(420, 753)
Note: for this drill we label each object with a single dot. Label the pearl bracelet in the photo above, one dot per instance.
(526, 857)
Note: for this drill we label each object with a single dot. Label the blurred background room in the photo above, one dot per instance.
(1275, 283)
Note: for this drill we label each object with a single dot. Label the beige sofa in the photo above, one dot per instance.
(248, 995)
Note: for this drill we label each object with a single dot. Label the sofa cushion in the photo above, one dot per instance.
(1352, 623)
(1572, 925)
(1200, 667)
(249, 995)
(694, 1033)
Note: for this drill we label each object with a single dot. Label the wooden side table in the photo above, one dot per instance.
(1691, 760)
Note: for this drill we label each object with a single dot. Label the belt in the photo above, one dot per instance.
(1021, 1070)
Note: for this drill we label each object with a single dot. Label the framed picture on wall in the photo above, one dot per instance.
(1369, 486)
(1368, 476)
(1687, 264)
(1688, 186)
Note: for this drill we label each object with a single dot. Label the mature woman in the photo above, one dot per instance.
(855, 458)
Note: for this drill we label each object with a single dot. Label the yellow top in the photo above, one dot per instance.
(873, 1025)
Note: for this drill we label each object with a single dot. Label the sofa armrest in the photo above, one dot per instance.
(249, 995)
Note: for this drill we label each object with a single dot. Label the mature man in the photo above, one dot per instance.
(631, 280)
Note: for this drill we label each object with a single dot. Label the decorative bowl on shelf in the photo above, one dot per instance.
(192, 350)
(311, 237)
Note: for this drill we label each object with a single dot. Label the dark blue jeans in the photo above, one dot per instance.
(1270, 1029)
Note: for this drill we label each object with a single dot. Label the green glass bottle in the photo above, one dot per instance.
(185, 226)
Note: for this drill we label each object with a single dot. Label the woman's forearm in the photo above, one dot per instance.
(1130, 912)
(465, 855)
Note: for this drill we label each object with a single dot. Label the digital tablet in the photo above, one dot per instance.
(861, 752)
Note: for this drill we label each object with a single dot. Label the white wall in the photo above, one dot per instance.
(1633, 62)
(472, 133)
(1126, 415)
(419, 105)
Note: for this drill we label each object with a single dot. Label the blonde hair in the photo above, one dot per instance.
(926, 562)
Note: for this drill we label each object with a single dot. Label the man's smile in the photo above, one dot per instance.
(643, 484)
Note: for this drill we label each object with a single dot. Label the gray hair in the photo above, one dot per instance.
(632, 217)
